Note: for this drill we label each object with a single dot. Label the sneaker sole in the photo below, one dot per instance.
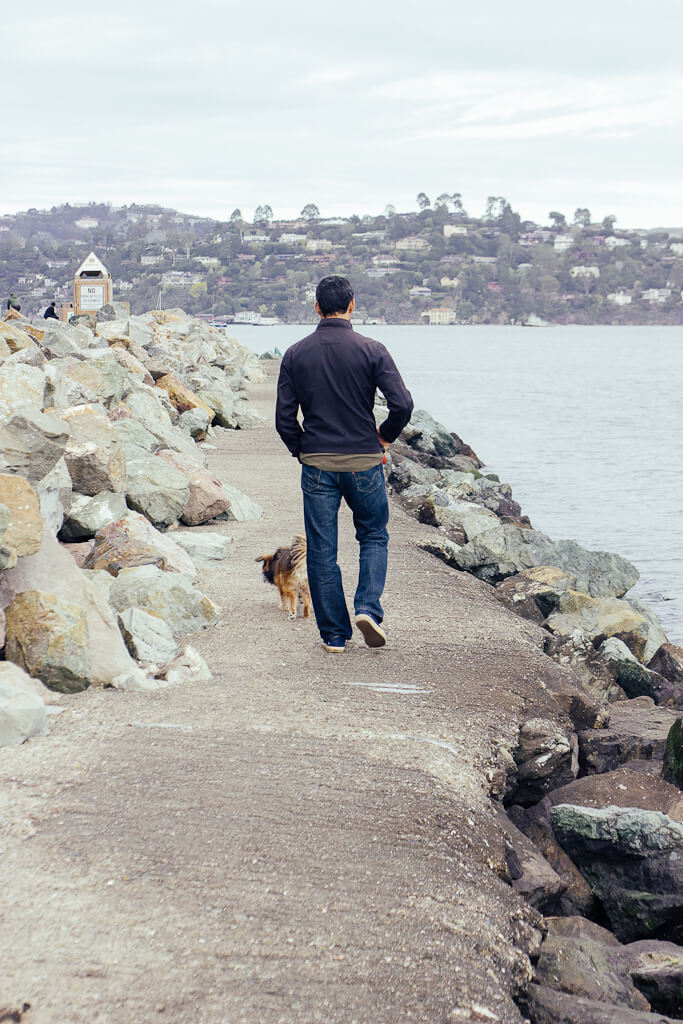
(333, 650)
(373, 635)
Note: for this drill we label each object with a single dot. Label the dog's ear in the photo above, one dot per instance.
(261, 558)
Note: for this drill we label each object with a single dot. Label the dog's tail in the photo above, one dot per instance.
(298, 550)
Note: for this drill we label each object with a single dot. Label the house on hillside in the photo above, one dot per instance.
(563, 242)
(454, 229)
(585, 271)
(439, 316)
(413, 243)
(613, 242)
(656, 296)
(620, 298)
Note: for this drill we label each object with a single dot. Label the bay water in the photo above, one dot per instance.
(584, 423)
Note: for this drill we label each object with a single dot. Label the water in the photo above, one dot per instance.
(585, 424)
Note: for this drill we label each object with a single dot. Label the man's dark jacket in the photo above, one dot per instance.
(333, 374)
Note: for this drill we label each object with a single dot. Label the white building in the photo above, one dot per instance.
(319, 244)
(454, 229)
(612, 242)
(86, 223)
(150, 259)
(563, 242)
(484, 259)
(208, 261)
(677, 248)
(450, 282)
(619, 298)
(291, 238)
(440, 316)
(412, 243)
(419, 291)
(257, 238)
(656, 296)
(586, 271)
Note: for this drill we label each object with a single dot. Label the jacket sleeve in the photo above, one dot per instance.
(399, 399)
(286, 408)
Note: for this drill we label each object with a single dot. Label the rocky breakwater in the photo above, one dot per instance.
(589, 798)
(104, 423)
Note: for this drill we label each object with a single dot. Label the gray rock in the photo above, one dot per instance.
(634, 678)
(636, 730)
(657, 970)
(132, 432)
(54, 494)
(168, 595)
(48, 637)
(510, 549)
(195, 422)
(548, 1006)
(21, 385)
(242, 507)
(132, 541)
(147, 637)
(424, 434)
(205, 549)
(531, 875)
(222, 400)
(535, 593)
(633, 861)
(672, 769)
(588, 665)
(157, 490)
(668, 661)
(94, 468)
(31, 443)
(89, 514)
(586, 618)
(546, 757)
(22, 710)
(655, 633)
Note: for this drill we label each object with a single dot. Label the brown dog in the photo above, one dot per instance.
(286, 570)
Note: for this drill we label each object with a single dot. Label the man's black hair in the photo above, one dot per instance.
(333, 295)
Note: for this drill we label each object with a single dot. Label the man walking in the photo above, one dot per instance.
(332, 376)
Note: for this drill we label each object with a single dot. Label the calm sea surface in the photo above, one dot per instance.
(584, 423)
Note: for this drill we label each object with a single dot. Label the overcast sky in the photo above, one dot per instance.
(347, 105)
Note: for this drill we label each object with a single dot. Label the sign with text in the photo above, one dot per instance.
(91, 296)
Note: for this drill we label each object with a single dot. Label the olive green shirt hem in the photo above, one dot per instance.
(335, 463)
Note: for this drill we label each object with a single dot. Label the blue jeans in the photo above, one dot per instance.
(365, 494)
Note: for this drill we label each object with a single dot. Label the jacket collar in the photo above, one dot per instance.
(335, 322)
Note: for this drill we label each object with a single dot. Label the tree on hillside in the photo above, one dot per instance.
(559, 220)
(423, 201)
(263, 214)
(444, 200)
(609, 222)
(582, 217)
(236, 216)
(389, 211)
(310, 212)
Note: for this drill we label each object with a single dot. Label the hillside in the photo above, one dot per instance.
(492, 269)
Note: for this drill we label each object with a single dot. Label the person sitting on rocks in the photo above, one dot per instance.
(13, 303)
(50, 313)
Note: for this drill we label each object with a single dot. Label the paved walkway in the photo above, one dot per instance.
(307, 837)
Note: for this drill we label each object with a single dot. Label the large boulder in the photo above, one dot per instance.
(531, 875)
(132, 541)
(55, 495)
(21, 385)
(205, 549)
(633, 861)
(672, 769)
(156, 489)
(48, 637)
(510, 549)
(424, 434)
(148, 638)
(22, 709)
(242, 507)
(466, 517)
(547, 1005)
(588, 664)
(582, 617)
(221, 400)
(31, 443)
(657, 970)
(23, 533)
(535, 593)
(668, 661)
(181, 396)
(111, 665)
(634, 678)
(87, 515)
(207, 499)
(546, 756)
(15, 338)
(635, 730)
(169, 596)
(98, 378)
(94, 455)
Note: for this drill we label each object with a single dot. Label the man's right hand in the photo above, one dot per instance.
(385, 444)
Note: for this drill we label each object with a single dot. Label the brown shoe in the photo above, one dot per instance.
(373, 634)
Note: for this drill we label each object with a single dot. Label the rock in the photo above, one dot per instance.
(404, 473)
(461, 515)
(588, 665)
(108, 654)
(534, 594)
(583, 963)
(182, 397)
(15, 338)
(98, 378)
(156, 489)
(31, 443)
(585, 618)
(633, 861)
(548, 1006)
(65, 339)
(636, 730)
(131, 432)
(196, 422)
(55, 496)
(79, 551)
(94, 454)
(88, 515)
(132, 541)
(242, 507)
(655, 635)
(205, 549)
(146, 636)
(22, 710)
(531, 875)
(657, 970)
(170, 596)
(23, 533)
(221, 400)
(672, 769)
(21, 385)
(207, 499)
(424, 434)
(633, 678)
(510, 549)
(48, 637)
(245, 416)
(635, 784)
(546, 757)
(186, 668)
(668, 661)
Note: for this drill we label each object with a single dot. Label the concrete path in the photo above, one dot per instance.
(308, 837)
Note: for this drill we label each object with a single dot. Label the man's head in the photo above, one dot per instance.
(334, 296)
